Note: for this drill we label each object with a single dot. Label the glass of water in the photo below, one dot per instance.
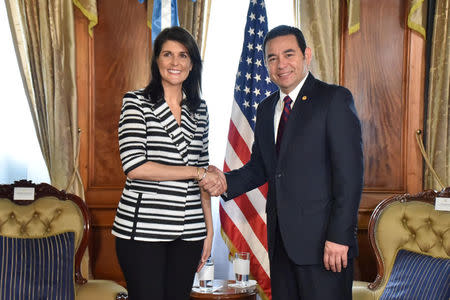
(241, 266)
(206, 275)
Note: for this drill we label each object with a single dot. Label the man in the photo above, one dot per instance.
(308, 147)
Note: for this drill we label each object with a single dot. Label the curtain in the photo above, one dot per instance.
(438, 120)
(320, 24)
(43, 33)
(191, 17)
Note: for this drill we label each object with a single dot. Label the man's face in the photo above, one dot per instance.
(286, 63)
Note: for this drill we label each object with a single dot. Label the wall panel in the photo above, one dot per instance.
(376, 68)
(121, 51)
(374, 72)
(112, 62)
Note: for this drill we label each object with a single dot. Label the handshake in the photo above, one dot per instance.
(213, 181)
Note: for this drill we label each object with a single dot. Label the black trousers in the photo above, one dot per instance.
(158, 270)
(306, 282)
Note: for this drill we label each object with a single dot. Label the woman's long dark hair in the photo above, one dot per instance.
(192, 86)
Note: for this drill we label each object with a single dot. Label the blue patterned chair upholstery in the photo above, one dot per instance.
(411, 223)
(24, 223)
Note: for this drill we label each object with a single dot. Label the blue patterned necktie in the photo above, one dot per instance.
(283, 120)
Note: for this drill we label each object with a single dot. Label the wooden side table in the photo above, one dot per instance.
(226, 292)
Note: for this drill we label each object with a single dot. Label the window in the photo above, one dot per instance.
(20, 154)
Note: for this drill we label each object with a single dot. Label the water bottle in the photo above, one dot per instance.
(206, 275)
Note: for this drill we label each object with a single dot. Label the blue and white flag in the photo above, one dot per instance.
(165, 14)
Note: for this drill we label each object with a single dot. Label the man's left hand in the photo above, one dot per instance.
(335, 256)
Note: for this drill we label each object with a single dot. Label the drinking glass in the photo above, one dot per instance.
(206, 275)
(241, 266)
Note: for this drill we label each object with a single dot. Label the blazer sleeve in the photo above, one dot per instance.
(346, 155)
(132, 133)
(253, 173)
(204, 155)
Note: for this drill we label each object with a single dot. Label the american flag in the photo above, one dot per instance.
(244, 219)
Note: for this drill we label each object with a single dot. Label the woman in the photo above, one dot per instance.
(163, 140)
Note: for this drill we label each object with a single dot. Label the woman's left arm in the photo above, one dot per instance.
(207, 243)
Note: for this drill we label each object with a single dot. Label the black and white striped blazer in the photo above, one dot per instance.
(160, 210)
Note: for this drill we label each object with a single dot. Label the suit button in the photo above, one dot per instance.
(278, 175)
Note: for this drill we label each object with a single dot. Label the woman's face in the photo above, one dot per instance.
(174, 63)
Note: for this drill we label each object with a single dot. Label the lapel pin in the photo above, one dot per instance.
(304, 98)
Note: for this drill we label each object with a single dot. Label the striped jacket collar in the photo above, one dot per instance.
(182, 134)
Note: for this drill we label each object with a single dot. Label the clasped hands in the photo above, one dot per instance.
(214, 181)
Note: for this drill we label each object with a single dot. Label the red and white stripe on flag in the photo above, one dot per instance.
(243, 219)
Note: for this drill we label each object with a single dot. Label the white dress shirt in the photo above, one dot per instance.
(280, 104)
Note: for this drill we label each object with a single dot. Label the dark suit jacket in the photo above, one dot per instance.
(316, 181)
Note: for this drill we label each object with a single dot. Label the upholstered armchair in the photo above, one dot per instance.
(411, 242)
(42, 241)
